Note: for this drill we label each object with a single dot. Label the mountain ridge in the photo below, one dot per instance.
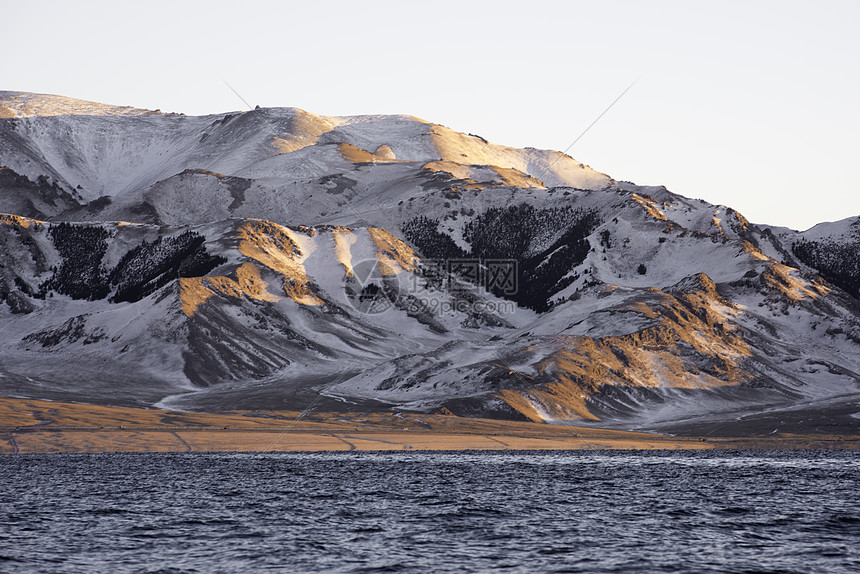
(349, 264)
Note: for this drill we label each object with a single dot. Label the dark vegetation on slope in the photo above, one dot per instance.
(81, 275)
(150, 266)
(516, 233)
(424, 234)
(140, 272)
(838, 263)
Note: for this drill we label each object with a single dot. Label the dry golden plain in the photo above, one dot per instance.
(35, 426)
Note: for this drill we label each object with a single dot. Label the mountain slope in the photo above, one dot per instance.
(95, 151)
(275, 258)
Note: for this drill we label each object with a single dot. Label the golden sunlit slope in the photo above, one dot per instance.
(285, 251)
(550, 167)
(691, 342)
(29, 105)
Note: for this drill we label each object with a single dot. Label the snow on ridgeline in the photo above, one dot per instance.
(95, 150)
(28, 105)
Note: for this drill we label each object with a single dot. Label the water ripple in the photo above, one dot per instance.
(445, 512)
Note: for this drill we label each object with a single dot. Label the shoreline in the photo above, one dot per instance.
(36, 426)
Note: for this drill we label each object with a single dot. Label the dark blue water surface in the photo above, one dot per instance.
(389, 512)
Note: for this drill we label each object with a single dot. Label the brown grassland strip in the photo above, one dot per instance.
(32, 426)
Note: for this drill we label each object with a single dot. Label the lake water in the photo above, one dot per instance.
(467, 511)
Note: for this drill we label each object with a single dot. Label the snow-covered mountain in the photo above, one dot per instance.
(279, 259)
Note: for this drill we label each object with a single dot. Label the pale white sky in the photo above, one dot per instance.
(748, 104)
